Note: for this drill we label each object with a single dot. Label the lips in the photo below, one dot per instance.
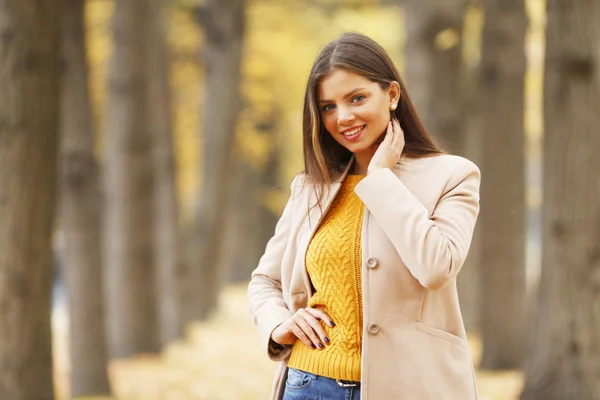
(353, 133)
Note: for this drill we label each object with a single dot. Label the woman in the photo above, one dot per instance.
(356, 292)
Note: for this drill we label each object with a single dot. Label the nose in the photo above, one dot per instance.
(345, 116)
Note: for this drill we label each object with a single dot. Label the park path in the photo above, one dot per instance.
(220, 359)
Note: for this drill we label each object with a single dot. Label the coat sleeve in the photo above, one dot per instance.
(434, 247)
(265, 295)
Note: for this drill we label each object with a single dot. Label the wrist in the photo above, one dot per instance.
(276, 336)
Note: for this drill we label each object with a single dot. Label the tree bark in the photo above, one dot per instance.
(468, 279)
(29, 117)
(440, 84)
(223, 23)
(80, 215)
(502, 217)
(250, 222)
(170, 271)
(564, 361)
(130, 268)
(434, 67)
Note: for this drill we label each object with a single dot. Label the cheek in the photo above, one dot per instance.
(374, 110)
(378, 117)
(330, 122)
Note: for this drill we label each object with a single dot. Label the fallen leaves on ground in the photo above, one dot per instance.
(221, 359)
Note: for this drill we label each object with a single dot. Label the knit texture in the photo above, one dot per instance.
(333, 262)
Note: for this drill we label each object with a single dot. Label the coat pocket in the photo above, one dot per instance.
(440, 334)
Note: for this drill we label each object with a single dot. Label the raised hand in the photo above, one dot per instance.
(389, 151)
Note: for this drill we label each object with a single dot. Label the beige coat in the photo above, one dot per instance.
(417, 229)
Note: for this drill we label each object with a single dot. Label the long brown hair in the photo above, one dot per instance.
(324, 158)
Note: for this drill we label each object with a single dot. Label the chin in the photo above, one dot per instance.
(360, 148)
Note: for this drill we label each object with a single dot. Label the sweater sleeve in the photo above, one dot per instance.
(265, 295)
(434, 247)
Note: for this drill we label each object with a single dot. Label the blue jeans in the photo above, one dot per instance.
(302, 385)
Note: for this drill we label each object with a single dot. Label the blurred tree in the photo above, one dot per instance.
(80, 207)
(434, 67)
(169, 264)
(468, 279)
(442, 86)
(130, 268)
(502, 217)
(29, 118)
(250, 222)
(564, 361)
(223, 25)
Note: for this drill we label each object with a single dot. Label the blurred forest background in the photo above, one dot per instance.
(146, 148)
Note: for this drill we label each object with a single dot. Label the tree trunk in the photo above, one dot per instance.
(439, 82)
(29, 117)
(80, 215)
(169, 265)
(503, 186)
(434, 67)
(468, 279)
(131, 279)
(564, 362)
(250, 222)
(223, 23)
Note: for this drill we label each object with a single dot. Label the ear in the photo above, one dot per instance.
(394, 93)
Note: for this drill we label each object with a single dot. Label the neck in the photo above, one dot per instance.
(361, 163)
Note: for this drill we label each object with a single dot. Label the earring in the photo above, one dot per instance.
(393, 107)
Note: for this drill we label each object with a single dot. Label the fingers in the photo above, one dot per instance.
(308, 327)
(322, 315)
(312, 327)
(307, 334)
(398, 129)
(317, 316)
(398, 136)
(299, 333)
(389, 152)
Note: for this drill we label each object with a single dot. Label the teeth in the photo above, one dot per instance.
(353, 131)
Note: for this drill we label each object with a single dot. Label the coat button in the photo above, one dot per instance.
(372, 262)
(373, 329)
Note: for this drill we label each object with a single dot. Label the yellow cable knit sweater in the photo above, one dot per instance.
(333, 261)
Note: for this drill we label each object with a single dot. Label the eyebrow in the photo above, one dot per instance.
(350, 93)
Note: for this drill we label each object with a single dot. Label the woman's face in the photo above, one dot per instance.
(355, 110)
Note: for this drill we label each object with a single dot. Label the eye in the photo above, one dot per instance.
(358, 98)
(327, 107)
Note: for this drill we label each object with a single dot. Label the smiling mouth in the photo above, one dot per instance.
(354, 133)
